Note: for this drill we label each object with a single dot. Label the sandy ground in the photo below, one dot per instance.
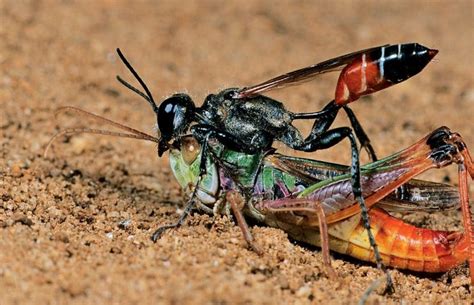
(60, 238)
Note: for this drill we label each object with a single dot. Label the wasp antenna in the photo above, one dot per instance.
(137, 91)
(149, 97)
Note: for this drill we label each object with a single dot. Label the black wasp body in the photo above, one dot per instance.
(248, 125)
(246, 121)
(254, 122)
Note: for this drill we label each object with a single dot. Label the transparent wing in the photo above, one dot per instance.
(302, 75)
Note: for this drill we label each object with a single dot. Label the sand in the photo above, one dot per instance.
(75, 227)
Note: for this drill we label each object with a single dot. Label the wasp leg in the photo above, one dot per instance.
(237, 203)
(365, 141)
(360, 134)
(326, 117)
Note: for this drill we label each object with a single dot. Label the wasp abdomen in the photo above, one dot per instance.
(381, 68)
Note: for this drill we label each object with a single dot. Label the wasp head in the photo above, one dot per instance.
(174, 116)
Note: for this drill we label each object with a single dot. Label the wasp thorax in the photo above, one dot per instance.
(190, 149)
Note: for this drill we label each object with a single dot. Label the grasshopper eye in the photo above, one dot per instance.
(190, 149)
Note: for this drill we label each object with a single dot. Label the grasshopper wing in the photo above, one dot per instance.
(414, 195)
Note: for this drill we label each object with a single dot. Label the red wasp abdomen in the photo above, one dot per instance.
(381, 68)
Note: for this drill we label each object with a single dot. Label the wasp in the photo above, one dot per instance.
(246, 121)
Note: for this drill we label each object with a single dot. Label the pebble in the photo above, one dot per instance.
(79, 144)
(283, 282)
(23, 219)
(115, 250)
(62, 236)
(15, 170)
(113, 214)
(303, 292)
(124, 224)
(9, 222)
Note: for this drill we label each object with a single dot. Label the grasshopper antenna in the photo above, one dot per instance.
(148, 96)
(129, 132)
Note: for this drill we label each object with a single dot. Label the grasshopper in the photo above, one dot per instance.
(313, 200)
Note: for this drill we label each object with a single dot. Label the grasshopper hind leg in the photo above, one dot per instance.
(465, 168)
(303, 205)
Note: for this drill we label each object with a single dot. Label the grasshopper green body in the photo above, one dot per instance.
(280, 191)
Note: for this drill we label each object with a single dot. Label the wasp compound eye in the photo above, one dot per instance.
(230, 94)
(174, 115)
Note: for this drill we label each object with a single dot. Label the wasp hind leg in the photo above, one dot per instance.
(361, 134)
(325, 118)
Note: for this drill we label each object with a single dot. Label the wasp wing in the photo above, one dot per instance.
(302, 75)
